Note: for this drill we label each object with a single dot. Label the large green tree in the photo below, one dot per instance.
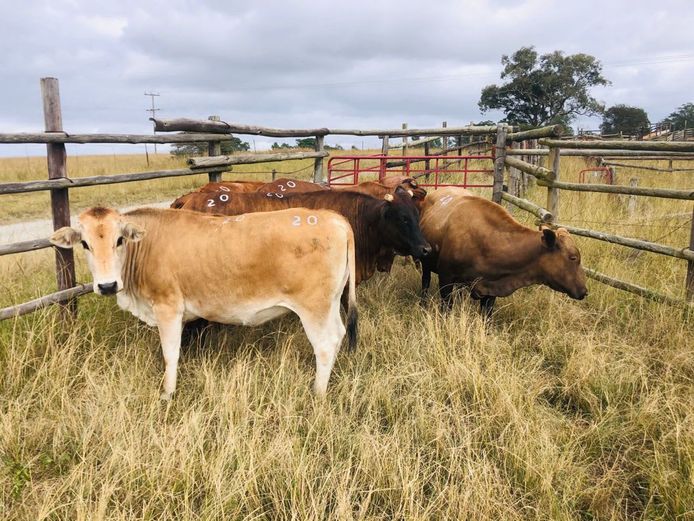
(200, 149)
(547, 89)
(683, 117)
(625, 119)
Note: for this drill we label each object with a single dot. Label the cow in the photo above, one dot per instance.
(382, 227)
(232, 186)
(168, 267)
(477, 243)
(286, 186)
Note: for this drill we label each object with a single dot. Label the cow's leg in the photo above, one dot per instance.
(170, 323)
(325, 334)
(487, 306)
(426, 281)
(446, 285)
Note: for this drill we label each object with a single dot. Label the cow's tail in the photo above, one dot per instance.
(352, 312)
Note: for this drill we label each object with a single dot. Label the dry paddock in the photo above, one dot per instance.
(558, 410)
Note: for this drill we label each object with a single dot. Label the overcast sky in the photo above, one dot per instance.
(313, 64)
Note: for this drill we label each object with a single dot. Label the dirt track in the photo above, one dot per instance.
(39, 229)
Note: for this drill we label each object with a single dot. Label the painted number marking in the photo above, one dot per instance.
(224, 198)
(311, 220)
(210, 202)
(224, 189)
(291, 184)
(446, 199)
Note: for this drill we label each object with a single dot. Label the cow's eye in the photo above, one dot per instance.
(573, 257)
(119, 242)
(85, 245)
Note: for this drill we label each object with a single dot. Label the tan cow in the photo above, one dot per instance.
(168, 267)
(477, 243)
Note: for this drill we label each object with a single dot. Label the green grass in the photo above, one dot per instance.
(558, 410)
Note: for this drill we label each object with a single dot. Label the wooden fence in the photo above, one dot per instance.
(212, 132)
(501, 138)
(549, 177)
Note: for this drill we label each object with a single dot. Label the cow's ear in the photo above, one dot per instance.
(132, 232)
(549, 238)
(65, 237)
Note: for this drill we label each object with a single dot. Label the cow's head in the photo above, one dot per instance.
(560, 263)
(410, 184)
(103, 233)
(399, 224)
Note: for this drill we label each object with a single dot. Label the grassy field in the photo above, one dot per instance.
(558, 410)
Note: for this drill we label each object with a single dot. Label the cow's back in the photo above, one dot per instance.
(213, 262)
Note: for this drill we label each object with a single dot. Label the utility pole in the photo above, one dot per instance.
(153, 111)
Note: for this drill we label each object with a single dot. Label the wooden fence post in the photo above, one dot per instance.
(689, 284)
(553, 161)
(214, 148)
(515, 177)
(384, 152)
(60, 199)
(405, 140)
(499, 157)
(318, 162)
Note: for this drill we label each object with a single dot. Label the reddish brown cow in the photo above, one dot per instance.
(381, 226)
(477, 243)
(232, 186)
(280, 187)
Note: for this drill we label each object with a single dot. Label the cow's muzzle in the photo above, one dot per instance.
(108, 288)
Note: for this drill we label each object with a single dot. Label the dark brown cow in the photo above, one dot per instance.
(479, 244)
(381, 226)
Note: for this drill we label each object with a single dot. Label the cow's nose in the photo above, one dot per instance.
(426, 250)
(109, 288)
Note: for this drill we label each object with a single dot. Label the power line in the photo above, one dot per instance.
(153, 110)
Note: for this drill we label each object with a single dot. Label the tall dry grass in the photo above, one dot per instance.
(558, 410)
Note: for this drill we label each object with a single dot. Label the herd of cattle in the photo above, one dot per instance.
(245, 252)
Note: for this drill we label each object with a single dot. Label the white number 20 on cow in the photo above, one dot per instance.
(311, 219)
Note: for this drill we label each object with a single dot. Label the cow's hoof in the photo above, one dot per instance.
(166, 397)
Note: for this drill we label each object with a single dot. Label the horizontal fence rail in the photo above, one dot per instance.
(631, 154)
(648, 146)
(247, 159)
(76, 182)
(45, 301)
(653, 247)
(191, 125)
(132, 139)
(534, 209)
(19, 247)
(633, 288)
(664, 193)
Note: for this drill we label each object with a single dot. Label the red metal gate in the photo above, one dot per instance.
(463, 171)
